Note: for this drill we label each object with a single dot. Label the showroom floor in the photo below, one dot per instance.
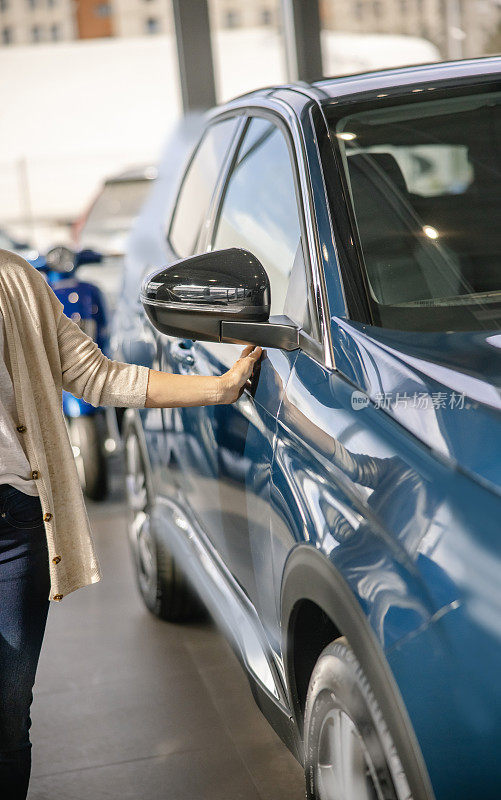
(127, 706)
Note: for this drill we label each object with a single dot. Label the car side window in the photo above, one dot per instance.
(259, 209)
(198, 185)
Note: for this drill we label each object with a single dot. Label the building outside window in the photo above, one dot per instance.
(152, 25)
(102, 10)
(266, 16)
(358, 9)
(7, 37)
(55, 33)
(36, 34)
(231, 19)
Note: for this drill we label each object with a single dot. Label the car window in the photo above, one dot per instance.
(423, 179)
(259, 210)
(198, 185)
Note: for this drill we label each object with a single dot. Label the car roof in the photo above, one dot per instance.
(408, 75)
(330, 88)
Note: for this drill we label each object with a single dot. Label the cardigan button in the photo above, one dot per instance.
(56, 559)
(35, 474)
(21, 428)
(47, 517)
(58, 597)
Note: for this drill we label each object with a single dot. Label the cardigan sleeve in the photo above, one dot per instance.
(88, 374)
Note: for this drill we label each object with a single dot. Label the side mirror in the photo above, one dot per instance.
(220, 296)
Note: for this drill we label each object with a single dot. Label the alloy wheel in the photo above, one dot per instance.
(344, 768)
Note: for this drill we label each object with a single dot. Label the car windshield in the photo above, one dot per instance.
(115, 208)
(423, 178)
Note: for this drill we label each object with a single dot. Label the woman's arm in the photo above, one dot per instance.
(166, 390)
(88, 373)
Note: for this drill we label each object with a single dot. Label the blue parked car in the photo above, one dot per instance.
(342, 519)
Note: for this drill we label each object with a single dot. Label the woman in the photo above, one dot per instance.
(46, 548)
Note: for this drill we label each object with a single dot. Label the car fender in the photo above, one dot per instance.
(309, 575)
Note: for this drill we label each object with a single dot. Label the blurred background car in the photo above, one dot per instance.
(106, 226)
(107, 223)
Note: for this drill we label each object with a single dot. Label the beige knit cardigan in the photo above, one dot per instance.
(46, 352)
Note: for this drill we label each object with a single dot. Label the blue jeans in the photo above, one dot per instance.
(24, 593)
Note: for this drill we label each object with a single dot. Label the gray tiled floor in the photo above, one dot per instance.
(129, 707)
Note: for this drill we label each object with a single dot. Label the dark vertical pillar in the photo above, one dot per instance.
(194, 52)
(302, 39)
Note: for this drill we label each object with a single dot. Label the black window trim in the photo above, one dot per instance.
(206, 237)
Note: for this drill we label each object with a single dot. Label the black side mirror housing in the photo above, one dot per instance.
(219, 296)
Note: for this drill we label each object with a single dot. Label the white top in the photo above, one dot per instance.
(14, 465)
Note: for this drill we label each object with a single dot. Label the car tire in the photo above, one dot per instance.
(349, 752)
(86, 437)
(160, 581)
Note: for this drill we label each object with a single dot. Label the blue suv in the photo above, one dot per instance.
(341, 519)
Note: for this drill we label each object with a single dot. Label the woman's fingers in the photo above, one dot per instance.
(251, 351)
(253, 355)
(241, 371)
(256, 353)
(245, 364)
(250, 360)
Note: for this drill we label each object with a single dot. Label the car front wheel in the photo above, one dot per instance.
(349, 752)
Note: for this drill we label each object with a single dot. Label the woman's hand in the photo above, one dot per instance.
(232, 383)
(169, 390)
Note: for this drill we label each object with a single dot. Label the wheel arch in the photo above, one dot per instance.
(316, 600)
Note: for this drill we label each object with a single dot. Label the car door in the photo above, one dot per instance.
(258, 211)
